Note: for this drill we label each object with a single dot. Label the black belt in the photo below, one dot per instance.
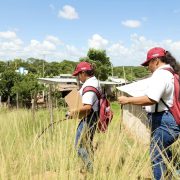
(162, 112)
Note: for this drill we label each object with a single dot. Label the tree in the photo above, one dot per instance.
(8, 79)
(52, 69)
(17, 63)
(131, 73)
(100, 61)
(27, 88)
(2, 66)
(67, 67)
(37, 66)
(99, 56)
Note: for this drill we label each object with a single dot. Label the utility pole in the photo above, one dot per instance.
(112, 70)
(124, 73)
(44, 57)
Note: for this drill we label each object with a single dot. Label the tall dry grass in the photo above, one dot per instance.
(117, 155)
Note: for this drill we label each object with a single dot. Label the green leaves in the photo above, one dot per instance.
(26, 86)
(8, 79)
(100, 61)
(131, 73)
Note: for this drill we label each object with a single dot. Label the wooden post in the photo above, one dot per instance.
(121, 114)
(17, 100)
(78, 84)
(33, 109)
(43, 96)
(121, 117)
(50, 104)
(8, 102)
(0, 101)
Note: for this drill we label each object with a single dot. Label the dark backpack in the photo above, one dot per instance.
(105, 112)
(175, 109)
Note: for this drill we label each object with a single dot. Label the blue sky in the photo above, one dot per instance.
(61, 29)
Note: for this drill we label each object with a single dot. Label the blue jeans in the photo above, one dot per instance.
(84, 138)
(164, 132)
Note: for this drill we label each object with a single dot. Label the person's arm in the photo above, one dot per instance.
(82, 112)
(142, 100)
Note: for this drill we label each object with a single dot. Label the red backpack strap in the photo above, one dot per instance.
(178, 77)
(92, 89)
(170, 70)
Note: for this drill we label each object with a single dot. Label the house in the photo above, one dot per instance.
(134, 116)
(64, 83)
(115, 79)
(110, 86)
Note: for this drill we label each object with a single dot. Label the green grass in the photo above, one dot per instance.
(118, 156)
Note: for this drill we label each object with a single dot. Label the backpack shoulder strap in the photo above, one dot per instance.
(175, 76)
(93, 89)
(169, 69)
(165, 103)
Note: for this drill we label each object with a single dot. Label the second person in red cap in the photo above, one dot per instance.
(87, 126)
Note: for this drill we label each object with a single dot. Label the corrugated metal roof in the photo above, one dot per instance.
(57, 80)
(69, 80)
(66, 87)
(109, 83)
(117, 80)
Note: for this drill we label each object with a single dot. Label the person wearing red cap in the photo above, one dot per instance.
(164, 129)
(87, 126)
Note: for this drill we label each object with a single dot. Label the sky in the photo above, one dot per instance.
(55, 30)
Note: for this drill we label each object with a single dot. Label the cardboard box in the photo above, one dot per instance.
(74, 100)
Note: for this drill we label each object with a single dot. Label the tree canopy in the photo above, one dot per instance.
(26, 86)
(100, 61)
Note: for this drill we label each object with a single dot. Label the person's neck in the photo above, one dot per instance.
(161, 64)
(87, 78)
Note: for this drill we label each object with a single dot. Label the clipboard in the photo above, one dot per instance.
(74, 100)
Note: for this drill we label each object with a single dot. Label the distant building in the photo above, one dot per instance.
(65, 76)
(58, 80)
(66, 82)
(63, 84)
(115, 79)
(22, 71)
(110, 85)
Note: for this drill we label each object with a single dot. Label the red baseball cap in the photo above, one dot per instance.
(82, 66)
(154, 53)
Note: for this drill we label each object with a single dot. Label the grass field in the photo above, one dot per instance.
(118, 155)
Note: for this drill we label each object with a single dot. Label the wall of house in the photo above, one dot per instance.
(135, 120)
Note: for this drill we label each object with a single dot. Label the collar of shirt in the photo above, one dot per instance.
(164, 66)
(88, 81)
(91, 78)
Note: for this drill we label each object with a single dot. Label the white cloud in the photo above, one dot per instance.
(131, 23)
(9, 42)
(36, 48)
(73, 50)
(11, 46)
(68, 12)
(8, 35)
(97, 42)
(53, 39)
(117, 49)
(135, 54)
